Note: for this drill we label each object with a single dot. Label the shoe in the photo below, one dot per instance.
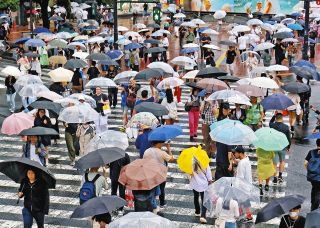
(72, 163)
(275, 180)
(203, 220)
(261, 190)
(195, 136)
(163, 206)
(266, 188)
(280, 179)
(120, 213)
(246, 220)
(160, 214)
(191, 139)
(197, 214)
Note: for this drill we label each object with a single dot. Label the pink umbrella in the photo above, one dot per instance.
(15, 123)
(50, 95)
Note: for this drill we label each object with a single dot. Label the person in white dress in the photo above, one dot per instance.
(171, 104)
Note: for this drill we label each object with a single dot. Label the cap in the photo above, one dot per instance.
(81, 97)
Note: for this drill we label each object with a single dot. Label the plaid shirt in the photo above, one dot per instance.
(209, 116)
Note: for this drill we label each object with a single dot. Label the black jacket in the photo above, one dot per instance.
(279, 126)
(36, 195)
(115, 167)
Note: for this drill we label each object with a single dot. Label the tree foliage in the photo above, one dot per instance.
(13, 4)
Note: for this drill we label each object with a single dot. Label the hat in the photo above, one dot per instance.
(81, 97)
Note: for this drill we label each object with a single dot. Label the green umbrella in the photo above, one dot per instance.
(270, 139)
(58, 43)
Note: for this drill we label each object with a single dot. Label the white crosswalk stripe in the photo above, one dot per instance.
(64, 198)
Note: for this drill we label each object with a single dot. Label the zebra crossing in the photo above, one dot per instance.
(64, 199)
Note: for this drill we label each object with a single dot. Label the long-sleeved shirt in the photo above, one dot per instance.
(199, 180)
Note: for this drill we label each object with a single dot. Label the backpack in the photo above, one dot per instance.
(314, 167)
(88, 189)
(131, 100)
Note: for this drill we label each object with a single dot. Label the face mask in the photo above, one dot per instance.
(293, 214)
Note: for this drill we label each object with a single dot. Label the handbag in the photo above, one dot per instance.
(106, 109)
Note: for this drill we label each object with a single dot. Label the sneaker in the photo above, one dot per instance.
(280, 179)
(275, 180)
(203, 220)
(72, 163)
(195, 136)
(163, 206)
(120, 213)
(246, 220)
(197, 214)
(266, 188)
(191, 139)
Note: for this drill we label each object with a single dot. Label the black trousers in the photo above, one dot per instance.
(315, 195)
(197, 205)
(222, 171)
(112, 96)
(115, 185)
(279, 59)
(162, 195)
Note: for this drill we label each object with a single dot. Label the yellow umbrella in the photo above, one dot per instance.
(185, 160)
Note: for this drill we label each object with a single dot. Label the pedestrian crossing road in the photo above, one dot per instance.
(64, 198)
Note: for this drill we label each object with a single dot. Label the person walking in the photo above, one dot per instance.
(294, 110)
(112, 91)
(251, 63)
(36, 199)
(199, 182)
(266, 57)
(34, 150)
(279, 50)
(71, 139)
(243, 42)
(265, 168)
(171, 104)
(293, 219)
(77, 82)
(254, 114)
(291, 51)
(189, 36)
(101, 101)
(193, 108)
(276, 123)
(231, 55)
(85, 132)
(10, 92)
(227, 212)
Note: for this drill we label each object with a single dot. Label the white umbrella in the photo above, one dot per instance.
(191, 74)
(31, 90)
(239, 100)
(277, 68)
(80, 55)
(60, 9)
(11, 70)
(84, 6)
(134, 35)
(143, 30)
(74, 4)
(252, 37)
(164, 31)
(124, 42)
(290, 40)
(78, 114)
(50, 95)
(139, 26)
(96, 39)
(211, 46)
(254, 22)
(46, 36)
(87, 99)
(263, 46)
(182, 61)
(64, 35)
(81, 37)
(267, 26)
(179, 15)
(191, 45)
(123, 29)
(241, 28)
(245, 81)
(164, 66)
(278, 26)
(93, 22)
(226, 94)
(198, 21)
(219, 14)
(61, 75)
(124, 76)
(189, 24)
(210, 32)
(73, 45)
(264, 82)
(170, 82)
(284, 30)
(288, 21)
(101, 82)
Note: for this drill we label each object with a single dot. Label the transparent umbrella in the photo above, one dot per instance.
(31, 90)
(144, 119)
(101, 82)
(78, 114)
(87, 99)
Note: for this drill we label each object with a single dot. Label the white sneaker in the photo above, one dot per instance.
(72, 163)
(203, 220)
(197, 215)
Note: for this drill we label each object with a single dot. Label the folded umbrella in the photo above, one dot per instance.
(46, 105)
(99, 158)
(154, 108)
(210, 72)
(124, 76)
(143, 174)
(250, 90)
(38, 131)
(35, 43)
(75, 63)
(101, 82)
(278, 207)
(142, 219)
(147, 74)
(61, 75)
(270, 139)
(277, 101)
(106, 139)
(17, 122)
(187, 156)
(296, 87)
(211, 85)
(31, 90)
(98, 205)
(165, 133)
(312, 219)
(17, 168)
(144, 120)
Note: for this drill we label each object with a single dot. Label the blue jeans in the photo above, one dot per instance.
(230, 225)
(29, 216)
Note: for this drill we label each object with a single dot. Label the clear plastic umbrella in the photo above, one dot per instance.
(191, 74)
(241, 28)
(254, 22)
(142, 220)
(161, 65)
(245, 55)
(227, 94)
(170, 82)
(108, 139)
(64, 35)
(151, 91)
(31, 90)
(263, 46)
(27, 79)
(87, 99)
(263, 82)
(101, 82)
(96, 39)
(124, 76)
(210, 32)
(182, 61)
(277, 68)
(78, 114)
(144, 120)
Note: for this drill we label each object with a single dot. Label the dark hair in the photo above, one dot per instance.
(106, 217)
(279, 116)
(239, 149)
(93, 63)
(144, 93)
(318, 142)
(156, 142)
(40, 109)
(169, 95)
(297, 207)
(266, 51)
(165, 35)
(130, 38)
(242, 33)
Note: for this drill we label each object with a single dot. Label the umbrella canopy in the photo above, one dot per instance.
(73, 46)
(98, 205)
(35, 43)
(189, 50)
(98, 56)
(61, 75)
(210, 72)
(270, 139)
(154, 108)
(179, 15)
(124, 76)
(254, 21)
(17, 168)
(132, 46)
(304, 72)
(143, 174)
(80, 55)
(229, 78)
(296, 87)
(38, 131)
(31, 90)
(228, 43)
(187, 156)
(142, 219)
(17, 122)
(222, 122)
(290, 40)
(12, 71)
(278, 207)
(210, 32)
(46, 105)
(277, 68)
(151, 41)
(283, 35)
(101, 82)
(95, 39)
(295, 27)
(41, 29)
(277, 101)
(140, 26)
(170, 82)
(191, 74)
(226, 94)
(107, 139)
(306, 63)
(264, 82)
(57, 59)
(27, 79)
(115, 54)
(108, 62)
(241, 28)
(50, 95)
(211, 46)
(75, 63)
(144, 120)
(87, 99)
(182, 61)
(148, 74)
(155, 50)
(64, 35)
(211, 85)
(312, 219)
(245, 55)
(21, 40)
(31, 54)
(99, 158)
(58, 43)
(233, 134)
(78, 114)
(263, 46)
(165, 133)
(190, 45)
(250, 90)
(154, 25)
(219, 14)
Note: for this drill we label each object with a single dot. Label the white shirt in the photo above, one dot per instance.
(242, 41)
(99, 183)
(33, 155)
(84, 15)
(170, 106)
(165, 42)
(244, 169)
(199, 180)
(230, 215)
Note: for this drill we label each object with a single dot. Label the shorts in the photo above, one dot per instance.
(124, 109)
(279, 156)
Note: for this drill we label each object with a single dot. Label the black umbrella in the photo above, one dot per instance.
(108, 62)
(304, 72)
(39, 131)
(75, 63)
(283, 35)
(229, 78)
(155, 108)
(147, 74)
(296, 87)
(100, 157)
(98, 56)
(154, 25)
(16, 169)
(279, 207)
(151, 41)
(312, 219)
(55, 107)
(210, 72)
(155, 50)
(257, 13)
(98, 205)
(228, 43)
(31, 54)
(193, 85)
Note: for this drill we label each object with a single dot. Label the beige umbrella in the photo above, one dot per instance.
(53, 60)
(61, 75)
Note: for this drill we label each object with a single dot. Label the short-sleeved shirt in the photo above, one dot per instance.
(98, 99)
(150, 99)
(93, 72)
(308, 157)
(222, 154)
(157, 154)
(231, 55)
(253, 114)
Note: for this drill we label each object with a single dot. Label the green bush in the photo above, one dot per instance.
(13, 4)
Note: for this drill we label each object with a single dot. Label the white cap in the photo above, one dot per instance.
(81, 97)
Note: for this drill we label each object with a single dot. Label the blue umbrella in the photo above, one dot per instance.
(165, 133)
(313, 136)
(312, 219)
(305, 72)
(189, 50)
(132, 46)
(296, 14)
(35, 43)
(56, 18)
(306, 63)
(277, 101)
(202, 29)
(90, 27)
(202, 93)
(295, 27)
(21, 40)
(115, 54)
(41, 29)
